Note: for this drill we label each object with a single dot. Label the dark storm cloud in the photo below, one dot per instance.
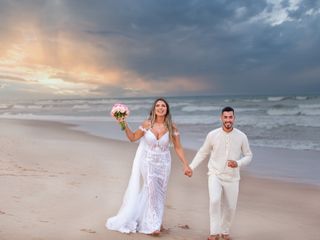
(232, 46)
(218, 41)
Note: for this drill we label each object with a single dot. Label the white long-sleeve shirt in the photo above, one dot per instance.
(223, 146)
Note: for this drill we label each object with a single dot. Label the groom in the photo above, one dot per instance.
(229, 150)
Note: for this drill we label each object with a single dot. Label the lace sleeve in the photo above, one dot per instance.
(142, 129)
(175, 130)
(176, 133)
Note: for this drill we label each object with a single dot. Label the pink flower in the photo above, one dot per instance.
(120, 111)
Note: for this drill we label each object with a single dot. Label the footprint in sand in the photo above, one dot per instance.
(183, 226)
(87, 230)
(74, 183)
(44, 221)
(170, 207)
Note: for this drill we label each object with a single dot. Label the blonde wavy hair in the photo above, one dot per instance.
(167, 121)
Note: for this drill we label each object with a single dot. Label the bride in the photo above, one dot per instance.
(143, 203)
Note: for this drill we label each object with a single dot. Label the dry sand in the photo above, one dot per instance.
(57, 183)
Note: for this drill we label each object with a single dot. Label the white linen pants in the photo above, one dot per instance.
(223, 201)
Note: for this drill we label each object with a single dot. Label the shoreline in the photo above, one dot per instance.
(281, 167)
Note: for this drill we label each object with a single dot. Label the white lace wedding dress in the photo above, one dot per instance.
(143, 203)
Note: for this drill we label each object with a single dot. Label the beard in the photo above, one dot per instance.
(228, 125)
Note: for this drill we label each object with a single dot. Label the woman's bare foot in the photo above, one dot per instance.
(155, 233)
(226, 237)
(164, 230)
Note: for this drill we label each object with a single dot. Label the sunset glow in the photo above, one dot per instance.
(70, 48)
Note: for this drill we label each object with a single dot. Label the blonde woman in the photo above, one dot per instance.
(143, 204)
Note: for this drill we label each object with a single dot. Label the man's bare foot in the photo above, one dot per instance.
(213, 237)
(226, 237)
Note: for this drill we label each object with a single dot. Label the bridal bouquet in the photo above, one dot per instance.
(120, 111)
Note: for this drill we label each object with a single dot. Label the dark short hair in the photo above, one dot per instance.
(227, 109)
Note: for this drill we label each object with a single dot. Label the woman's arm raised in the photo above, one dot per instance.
(134, 136)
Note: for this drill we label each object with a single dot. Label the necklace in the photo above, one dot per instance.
(159, 127)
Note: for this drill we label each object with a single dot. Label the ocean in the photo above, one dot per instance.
(282, 122)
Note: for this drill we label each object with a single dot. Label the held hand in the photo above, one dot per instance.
(188, 171)
(232, 164)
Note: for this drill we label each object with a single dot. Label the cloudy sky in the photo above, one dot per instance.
(104, 48)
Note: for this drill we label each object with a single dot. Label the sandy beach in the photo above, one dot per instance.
(58, 183)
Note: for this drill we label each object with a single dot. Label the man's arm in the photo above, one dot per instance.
(246, 151)
(203, 152)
